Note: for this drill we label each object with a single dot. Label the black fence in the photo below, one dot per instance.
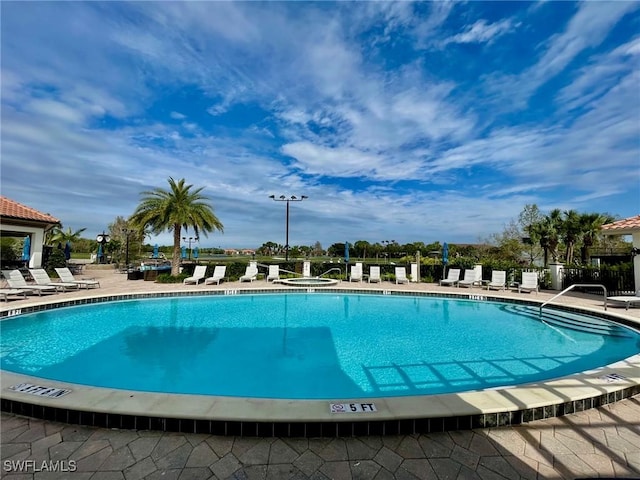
(618, 280)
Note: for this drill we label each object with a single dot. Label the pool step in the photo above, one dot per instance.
(572, 322)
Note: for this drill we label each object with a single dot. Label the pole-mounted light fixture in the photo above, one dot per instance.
(283, 198)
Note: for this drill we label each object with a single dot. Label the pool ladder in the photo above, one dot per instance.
(570, 287)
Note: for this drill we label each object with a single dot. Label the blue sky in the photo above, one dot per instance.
(406, 121)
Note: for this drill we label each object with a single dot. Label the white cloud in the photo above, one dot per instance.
(482, 32)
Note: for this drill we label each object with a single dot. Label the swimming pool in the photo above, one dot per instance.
(308, 346)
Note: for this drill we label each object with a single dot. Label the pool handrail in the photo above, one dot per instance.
(331, 270)
(577, 285)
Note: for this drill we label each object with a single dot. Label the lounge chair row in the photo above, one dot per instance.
(220, 272)
(357, 274)
(498, 280)
(18, 285)
(251, 274)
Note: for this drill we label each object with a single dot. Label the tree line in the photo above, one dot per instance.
(533, 238)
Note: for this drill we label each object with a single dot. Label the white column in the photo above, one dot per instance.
(414, 272)
(557, 275)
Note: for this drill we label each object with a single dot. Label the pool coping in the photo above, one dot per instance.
(113, 408)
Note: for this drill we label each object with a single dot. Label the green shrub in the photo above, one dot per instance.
(168, 278)
(56, 260)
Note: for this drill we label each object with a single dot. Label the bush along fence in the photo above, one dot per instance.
(617, 279)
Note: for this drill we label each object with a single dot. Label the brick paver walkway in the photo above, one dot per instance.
(603, 442)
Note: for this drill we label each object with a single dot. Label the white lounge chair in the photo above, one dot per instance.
(41, 277)
(356, 273)
(529, 283)
(199, 274)
(251, 273)
(498, 280)
(15, 280)
(274, 273)
(66, 276)
(12, 292)
(469, 279)
(453, 276)
(627, 300)
(218, 275)
(374, 274)
(401, 275)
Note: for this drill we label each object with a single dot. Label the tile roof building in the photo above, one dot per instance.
(10, 209)
(623, 227)
(19, 221)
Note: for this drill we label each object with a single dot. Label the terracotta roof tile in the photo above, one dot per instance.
(12, 209)
(625, 226)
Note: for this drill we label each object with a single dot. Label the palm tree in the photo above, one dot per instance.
(173, 210)
(547, 232)
(590, 224)
(63, 236)
(571, 232)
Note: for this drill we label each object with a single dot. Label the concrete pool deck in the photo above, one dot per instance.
(602, 441)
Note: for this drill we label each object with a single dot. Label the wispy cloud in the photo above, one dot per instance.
(390, 116)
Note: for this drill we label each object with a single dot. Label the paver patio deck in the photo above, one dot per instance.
(602, 442)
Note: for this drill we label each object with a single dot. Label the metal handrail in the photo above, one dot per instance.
(331, 270)
(577, 285)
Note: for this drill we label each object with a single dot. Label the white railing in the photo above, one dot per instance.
(570, 287)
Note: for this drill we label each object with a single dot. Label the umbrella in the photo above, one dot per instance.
(99, 252)
(196, 252)
(67, 251)
(445, 257)
(155, 251)
(26, 249)
(346, 252)
(183, 253)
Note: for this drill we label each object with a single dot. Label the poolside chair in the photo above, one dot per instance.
(453, 276)
(199, 274)
(356, 273)
(374, 274)
(401, 275)
(66, 276)
(469, 279)
(498, 280)
(274, 273)
(41, 277)
(627, 300)
(13, 292)
(15, 280)
(529, 283)
(218, 275)
(251, 273)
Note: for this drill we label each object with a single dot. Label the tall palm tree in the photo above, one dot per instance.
(571, 232)
(175, 209)
(590, 224)
(547, 233)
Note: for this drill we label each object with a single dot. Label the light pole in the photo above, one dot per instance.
(190, 239)
(102, 240)
(292, 198)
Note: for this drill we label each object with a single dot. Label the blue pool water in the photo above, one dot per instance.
(304, 346)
